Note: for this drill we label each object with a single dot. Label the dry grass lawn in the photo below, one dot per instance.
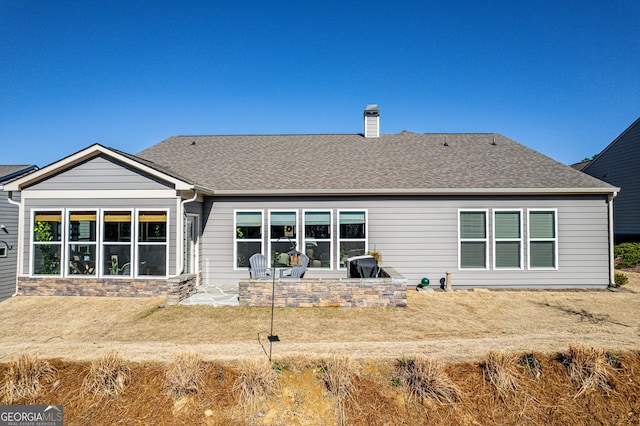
(451, 327)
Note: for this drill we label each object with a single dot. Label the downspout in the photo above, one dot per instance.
(612, 279)
(180, 241)
(19, 249)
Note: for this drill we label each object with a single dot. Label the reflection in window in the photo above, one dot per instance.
(317, 238)
(47, 242)
(248, 236)
(82, 243)
(152, 243)
(117, 243)
(283, 236)
(353, 234)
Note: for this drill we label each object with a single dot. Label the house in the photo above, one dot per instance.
(9, 230)
(618, 164)
(483, 207)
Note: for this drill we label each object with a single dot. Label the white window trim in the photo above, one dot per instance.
(497, 240)
(66, 242)
(33, 244)
(554, 240)
(485, 240)
(340, 239)
(330, 240)
(235, 235)
(116, 243)
(3, 251)
(137, 243)
(196, 246)
(269, 239)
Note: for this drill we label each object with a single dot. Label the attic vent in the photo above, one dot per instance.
(372, 121)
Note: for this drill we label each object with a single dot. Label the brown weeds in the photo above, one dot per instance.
(502, 371)
(185, 375)
(424, 377)
(588, 366)
(256, 380)
(108, 375)
(25, 377)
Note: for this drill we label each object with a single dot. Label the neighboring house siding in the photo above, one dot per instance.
(619, 165)
(99, 173)
(419, 238)
(102, 204)
(8, 265)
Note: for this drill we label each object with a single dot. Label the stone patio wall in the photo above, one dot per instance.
(311, 292)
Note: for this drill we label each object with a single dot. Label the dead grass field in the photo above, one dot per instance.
(450, 327)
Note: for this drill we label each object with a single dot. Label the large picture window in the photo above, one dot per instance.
(47, 243)
(282, 235)
(507, 233)
(82, 243)
(152, 243)
(352, 237)
(543, 250)
(473, 249)
(317, 238)
(116, 243)
(248, 236)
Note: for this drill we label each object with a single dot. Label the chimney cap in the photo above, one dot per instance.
(372, 110)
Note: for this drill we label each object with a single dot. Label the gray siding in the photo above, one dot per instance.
(100, 173)
(8, 265)
(101, 203)
(619, 165)
(419, 238)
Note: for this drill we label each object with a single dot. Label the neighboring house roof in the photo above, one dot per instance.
(350, 163)
(581, 165)
(9, 172)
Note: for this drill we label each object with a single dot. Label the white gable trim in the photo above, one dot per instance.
(83, 155)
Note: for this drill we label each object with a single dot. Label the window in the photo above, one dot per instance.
(81, 243)
(507, 234)
(116, 243)
(46, 243)
(473, 249)
(152, 243)
(282, 235)
(352, 237)
(543, 251)
(248, 236)
(3, 251)
(317, 238)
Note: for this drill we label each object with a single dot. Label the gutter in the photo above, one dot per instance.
(180, 241)
(19, 249)
(612, 276)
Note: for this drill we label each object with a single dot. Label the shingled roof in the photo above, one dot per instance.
(351, 163)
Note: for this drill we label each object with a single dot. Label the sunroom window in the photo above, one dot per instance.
(116, 243)
(352, 236)
(81, 243)
(248, 236)
(152, 243)
(47, 242)
(507, 226)
(317, 238)
(543, 251)
(473, 239)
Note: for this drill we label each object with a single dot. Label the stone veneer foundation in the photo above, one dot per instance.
(174, 288)
(340, 292)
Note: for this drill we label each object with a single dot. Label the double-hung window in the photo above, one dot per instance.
(543, 232)
(82, 243)
(248, 236)
(472, 248)
(507, 239)
(352, 234)
(47, 242)
(152, 243)
(116, 242)
(283, 234)
(317, 238)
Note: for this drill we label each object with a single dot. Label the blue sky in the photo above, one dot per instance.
(561, 77)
